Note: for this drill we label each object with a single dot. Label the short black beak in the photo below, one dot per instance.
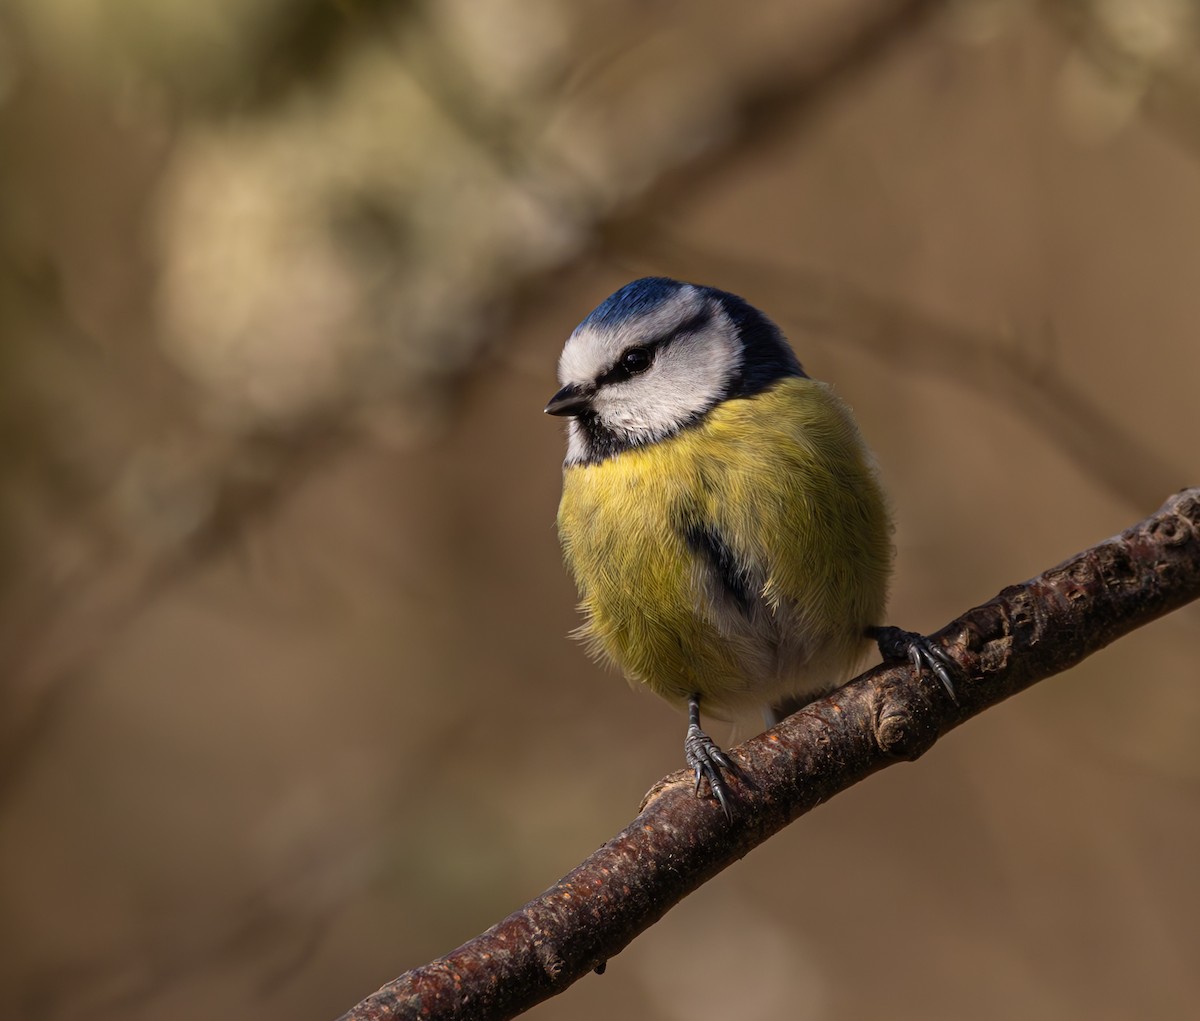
(571, 400)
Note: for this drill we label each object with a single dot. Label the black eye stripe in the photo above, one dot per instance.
(617, 374)
(689, 325)
(621, 372)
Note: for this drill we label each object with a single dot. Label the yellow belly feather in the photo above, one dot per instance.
(786, 481)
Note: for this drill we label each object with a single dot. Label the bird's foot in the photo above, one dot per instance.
(703, 756)
(897, 646)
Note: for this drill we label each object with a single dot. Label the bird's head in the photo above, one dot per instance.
(655, 357)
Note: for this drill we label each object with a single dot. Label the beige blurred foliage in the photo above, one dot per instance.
(286, 700)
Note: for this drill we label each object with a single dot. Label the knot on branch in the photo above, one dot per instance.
(552, 963)
(1176, 529)
(1186, 504)
(904, 724)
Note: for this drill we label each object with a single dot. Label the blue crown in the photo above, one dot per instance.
(634, 299)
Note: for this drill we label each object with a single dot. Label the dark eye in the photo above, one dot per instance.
(636, 359)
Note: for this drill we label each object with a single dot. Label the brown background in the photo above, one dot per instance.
(286, 700)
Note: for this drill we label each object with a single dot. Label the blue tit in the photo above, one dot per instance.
(721, 515)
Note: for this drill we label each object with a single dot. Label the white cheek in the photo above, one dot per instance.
(648, 406)
(688, 378)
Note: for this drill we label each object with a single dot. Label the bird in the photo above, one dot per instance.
(721, 515)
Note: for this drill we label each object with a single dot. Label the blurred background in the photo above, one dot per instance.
(287, 702)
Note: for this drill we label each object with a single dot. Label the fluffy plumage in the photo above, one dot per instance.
(741, 559)
(720, 513)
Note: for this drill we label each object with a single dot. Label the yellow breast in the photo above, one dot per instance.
(785, 486)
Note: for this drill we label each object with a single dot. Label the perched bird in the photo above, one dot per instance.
(721, 515)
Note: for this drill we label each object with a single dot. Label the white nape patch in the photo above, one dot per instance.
(689, 375)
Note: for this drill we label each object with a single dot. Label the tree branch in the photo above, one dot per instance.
(1026, 633)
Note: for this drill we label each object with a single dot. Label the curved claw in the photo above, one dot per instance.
(896, 644)
(703, 755)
